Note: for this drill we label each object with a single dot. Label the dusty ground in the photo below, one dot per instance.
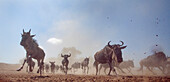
(8, 73)
(20, 77)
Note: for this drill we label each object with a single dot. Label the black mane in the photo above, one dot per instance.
(35, 41)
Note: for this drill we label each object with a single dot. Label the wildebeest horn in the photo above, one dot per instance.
(29, 31)
(70, 55)
(122, 43)
(109, 44)
(61, 55)
(23, 31)
(32, 35)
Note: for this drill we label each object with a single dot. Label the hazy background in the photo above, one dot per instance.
(86, 26)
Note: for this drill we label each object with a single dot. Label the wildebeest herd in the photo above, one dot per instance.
(108, 57)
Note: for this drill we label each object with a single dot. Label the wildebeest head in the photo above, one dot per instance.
(117, 49)
(76, 65)
(52, 63)
(65, 56)
(86, 59)
(26, 37)
(161, 56)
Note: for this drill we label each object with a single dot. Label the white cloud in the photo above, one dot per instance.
(54, 41)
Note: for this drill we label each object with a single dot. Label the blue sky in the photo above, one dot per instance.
(87, 25)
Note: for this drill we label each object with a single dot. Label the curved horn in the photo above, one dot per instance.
(109, 44)
(61, 55)
(23, 31)
(70, 55)
(29, 31)
(122, 43)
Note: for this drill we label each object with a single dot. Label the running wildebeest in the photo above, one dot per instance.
(158, 59)
(61, 68)
(109, 54)
(65, 62)
(127, 65)
(31, 64)
(57, 67)
(32, 49)
(47, 67)
(168, 65)
(123, 65)
(52, 66)
(75, 66)
(85, 64)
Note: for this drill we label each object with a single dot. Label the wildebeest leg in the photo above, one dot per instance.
(27, 69)
(41, 66)
(114, 70)
(38, 66)
(100, 69)
(129, 71)
(82, 69)
(66, 69)
(22, 65)
(110, 65)
(30, 65)
(121, 69)
(105, 70)
(96, 67)
(150, 70)
(87, 69)
(162, 70)
(33, 66)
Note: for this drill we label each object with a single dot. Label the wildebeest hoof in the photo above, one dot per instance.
(18, 70)
(108, 74)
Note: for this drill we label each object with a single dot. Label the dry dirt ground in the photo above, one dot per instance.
(22, 77)
(8, 73)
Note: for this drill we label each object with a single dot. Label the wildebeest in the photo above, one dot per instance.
(47, 67)
(52, 66)
(31, 64)
(32, 49)
(75, 66)
(109, 54)
(168, 65)
(85, 64)
(57, 67)
(158, 59)
(61, 68)
(123, 65)
(126, 65)
(65, 62)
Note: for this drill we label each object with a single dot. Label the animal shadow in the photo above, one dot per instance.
(36, 77)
